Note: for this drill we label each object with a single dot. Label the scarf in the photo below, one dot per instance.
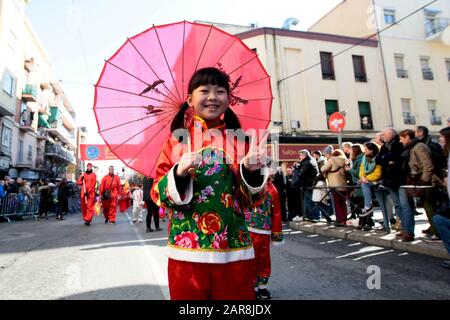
(368, 165)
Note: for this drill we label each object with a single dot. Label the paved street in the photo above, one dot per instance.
(67, 260)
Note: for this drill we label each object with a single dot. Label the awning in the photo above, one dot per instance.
(42, 122)
(54, 114)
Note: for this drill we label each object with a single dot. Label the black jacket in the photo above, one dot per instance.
(279, 182)
(147, 186)
(305, 173)
(63, 193)
(391, 162)
(437, 157)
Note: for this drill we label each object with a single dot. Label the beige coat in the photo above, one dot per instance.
(420, 161)
(335, 179)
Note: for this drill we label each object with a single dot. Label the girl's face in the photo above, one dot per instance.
(209, 102)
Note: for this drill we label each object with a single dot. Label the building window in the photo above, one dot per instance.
(389, 16)
(400, 66)
(331, 106)
(365, 115)
(6, 136)
(408, 118)
(447, 65)
(427, 73)
(435, 120)
(8, 83)
(326, 61)
(30, 152)
(359, 68)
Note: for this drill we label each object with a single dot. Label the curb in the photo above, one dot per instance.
(373, 237)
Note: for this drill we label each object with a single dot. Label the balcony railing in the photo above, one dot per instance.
(436, 120)
(56, 150)
(26, 121)
(435, 26)
(401, 73)
(408, 118)
(5, 151)
(427, 74)
(29, 93)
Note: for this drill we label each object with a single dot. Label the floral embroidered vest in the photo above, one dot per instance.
(263, 216)
(210, 228)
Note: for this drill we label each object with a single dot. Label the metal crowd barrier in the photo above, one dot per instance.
(14, 205)
(352, 206)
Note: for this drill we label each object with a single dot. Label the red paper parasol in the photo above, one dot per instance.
(144, 83)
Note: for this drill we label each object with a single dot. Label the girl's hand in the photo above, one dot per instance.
(257, 155)
(188, 161)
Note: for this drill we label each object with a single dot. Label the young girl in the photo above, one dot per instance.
(210, 251)
(264, 223)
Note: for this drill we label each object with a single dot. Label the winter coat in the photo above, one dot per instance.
(418, 160)
(373, 176)
(305, 173)
(390, 160)
(335, 172)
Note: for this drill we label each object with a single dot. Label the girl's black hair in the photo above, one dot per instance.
(212, 76)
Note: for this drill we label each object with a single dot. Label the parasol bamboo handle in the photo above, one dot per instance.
(191, 170)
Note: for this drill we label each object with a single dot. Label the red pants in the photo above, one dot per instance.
(110, 209)
(87, 209)
(340, 206)
(211, 281)
(261, 244)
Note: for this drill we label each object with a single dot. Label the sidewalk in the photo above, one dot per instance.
(378, 237)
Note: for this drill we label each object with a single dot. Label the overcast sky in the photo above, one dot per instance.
(80, 34)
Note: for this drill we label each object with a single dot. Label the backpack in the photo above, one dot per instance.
(437, 158)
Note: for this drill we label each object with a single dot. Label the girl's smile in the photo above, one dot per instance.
(209, 102)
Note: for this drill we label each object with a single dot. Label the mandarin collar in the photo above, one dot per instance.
(200, 123)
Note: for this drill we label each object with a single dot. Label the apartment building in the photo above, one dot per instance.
(415, 50)
(38, 127)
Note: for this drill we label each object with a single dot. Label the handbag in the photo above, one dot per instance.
(107, 193)
(414, 180)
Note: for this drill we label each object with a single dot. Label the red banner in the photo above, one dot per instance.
(289, 152)
(95, 152)
(286, 152)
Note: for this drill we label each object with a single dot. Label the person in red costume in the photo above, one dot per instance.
(87, 181)
(110, 185)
